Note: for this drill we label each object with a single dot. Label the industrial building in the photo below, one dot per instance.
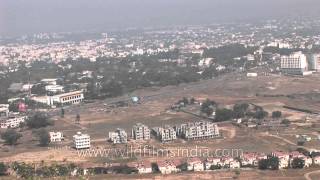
(140, 132)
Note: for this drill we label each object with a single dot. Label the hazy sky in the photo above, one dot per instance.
(30, 16)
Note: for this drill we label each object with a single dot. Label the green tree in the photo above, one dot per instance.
(297, 163)
(276, 114)
(39, 120)
(286, 122)
(3, 169)
(62, 113)
(10, 136)
(239, 110)
(223, 114)
(78, 118)
(44, 137)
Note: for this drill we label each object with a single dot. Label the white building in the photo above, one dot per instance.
(4, 110)
(56, 136)
(54, 88)
(12, 121)
(296, 63)
(49, 81)
(199, 130)
(313, 62)
(140, 132)
(119, 136)
(143, 167)
(168, 166)
(166, 134)
(283, 158)
(74, 97)
(195, 164)
(81, 141)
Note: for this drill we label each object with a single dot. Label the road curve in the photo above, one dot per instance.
(307, 175)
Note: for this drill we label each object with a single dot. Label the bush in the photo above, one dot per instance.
(276, 114)
(269, 163)
(297, 163)
(39, 120)
(11, 137)
(3, 169)
(44, 137)
(223, 114)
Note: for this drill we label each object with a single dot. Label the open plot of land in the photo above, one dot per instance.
(270, 92)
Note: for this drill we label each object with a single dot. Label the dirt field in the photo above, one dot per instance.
(270, 92)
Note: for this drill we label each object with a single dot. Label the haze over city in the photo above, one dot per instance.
(18, 17)
(160, 89)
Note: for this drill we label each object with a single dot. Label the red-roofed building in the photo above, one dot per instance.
(195, 164)
(168, 166)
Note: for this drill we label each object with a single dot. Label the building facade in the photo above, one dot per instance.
(56, 136)
(118, 137)
(140, 132)
(4, 110)
(81, 141)
(198, 130)
(295, 63)
(12, 121)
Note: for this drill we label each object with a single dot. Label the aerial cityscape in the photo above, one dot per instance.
(224, 99)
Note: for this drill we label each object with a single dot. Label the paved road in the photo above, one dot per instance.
(307, 175)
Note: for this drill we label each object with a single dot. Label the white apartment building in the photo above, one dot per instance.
(4, 110)
(199, 130)
(81, 141)
(295, 63)
(54, 88)
(56, 136)
(166, 133)
(119, 136)
(49, 81)
(140, 132)
(313, 62)
(74, 97)
(12, 121)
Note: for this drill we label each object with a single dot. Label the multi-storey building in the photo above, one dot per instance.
(13, 121)
(119, 136)
(140, 132)
(81, 141)
(56, 136)
(54, 88)
(295, 63)
(166, 133)
(198, 130)
(74, 97)
(4, 110)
